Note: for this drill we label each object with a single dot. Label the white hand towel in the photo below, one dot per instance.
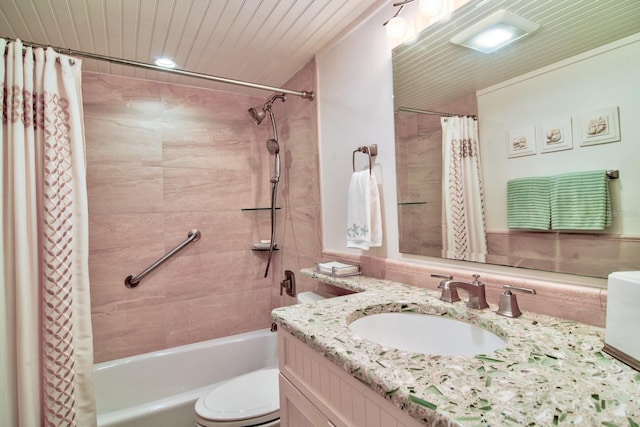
(364, 224)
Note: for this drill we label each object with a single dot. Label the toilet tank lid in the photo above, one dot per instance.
(628, 275)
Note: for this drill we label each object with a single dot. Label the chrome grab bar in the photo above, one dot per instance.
(134, 279)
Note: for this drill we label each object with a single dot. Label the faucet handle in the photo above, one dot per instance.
(519, 289)
(475, 279)
(448, 294)
(508, 304)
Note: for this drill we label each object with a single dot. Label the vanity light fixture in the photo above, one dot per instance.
(431, 7)
(495, 31)
(165, 62)
(436, 10)
(396, 28)
(402, 30)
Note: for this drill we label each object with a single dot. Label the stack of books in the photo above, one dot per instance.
(336, 268)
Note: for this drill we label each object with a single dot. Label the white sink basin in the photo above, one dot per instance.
(426, 334)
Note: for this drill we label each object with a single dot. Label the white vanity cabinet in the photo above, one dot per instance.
(315, 392)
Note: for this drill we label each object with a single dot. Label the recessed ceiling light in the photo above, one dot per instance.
(495, 31)
(165, 62)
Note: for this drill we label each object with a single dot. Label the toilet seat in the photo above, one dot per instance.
(247, 400)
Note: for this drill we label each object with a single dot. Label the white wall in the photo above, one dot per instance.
(355, 108)
(604, 77)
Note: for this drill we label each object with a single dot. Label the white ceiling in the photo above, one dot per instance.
(260, 41)
(433, 71)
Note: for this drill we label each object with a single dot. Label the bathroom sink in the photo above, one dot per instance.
(426, 334)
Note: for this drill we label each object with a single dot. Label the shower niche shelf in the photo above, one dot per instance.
(257, 248)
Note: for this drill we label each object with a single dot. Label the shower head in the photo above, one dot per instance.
(259, 113)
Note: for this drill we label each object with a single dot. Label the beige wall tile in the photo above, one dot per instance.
(121, 245)
(121, 189)
(128, 332)
(122, 142)
(188, 189)
(164, 159)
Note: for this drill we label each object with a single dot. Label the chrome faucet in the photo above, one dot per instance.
(475, 289)
(448, 294)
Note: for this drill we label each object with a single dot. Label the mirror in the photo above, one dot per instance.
(577, 66)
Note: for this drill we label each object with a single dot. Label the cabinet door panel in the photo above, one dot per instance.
(296, 410)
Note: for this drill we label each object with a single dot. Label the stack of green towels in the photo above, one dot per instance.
(571, 201)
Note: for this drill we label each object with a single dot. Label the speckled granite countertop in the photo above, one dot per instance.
(551, 372)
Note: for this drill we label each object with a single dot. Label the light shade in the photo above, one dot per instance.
(431, 8)
(396, 29)
(165, 62)
(495, 31)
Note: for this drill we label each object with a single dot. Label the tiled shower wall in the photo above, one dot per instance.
(163, 159)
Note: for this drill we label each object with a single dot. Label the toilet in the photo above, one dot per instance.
(249, 400)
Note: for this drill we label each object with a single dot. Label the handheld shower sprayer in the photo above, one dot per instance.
(274, 148)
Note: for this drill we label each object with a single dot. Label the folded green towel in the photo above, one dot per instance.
(580, 201)
(528, 203)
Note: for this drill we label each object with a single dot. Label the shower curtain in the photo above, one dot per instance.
(46, 350)
(463, 220)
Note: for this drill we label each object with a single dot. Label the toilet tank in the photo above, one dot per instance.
(622, 330)
(308, 297)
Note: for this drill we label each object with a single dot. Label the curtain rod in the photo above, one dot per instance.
(304, 94)
(433, 113)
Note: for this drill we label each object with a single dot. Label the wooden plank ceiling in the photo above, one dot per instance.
(433, 71)
(261, 41)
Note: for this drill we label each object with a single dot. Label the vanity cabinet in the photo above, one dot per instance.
(315, 392)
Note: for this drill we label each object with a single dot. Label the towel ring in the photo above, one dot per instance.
(370, 150)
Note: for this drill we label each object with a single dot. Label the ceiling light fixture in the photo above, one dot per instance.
(495, 31)
(165, 62)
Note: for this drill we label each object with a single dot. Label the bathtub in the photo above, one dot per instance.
(160, 389)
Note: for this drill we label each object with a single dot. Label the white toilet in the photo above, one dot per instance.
(249, 400)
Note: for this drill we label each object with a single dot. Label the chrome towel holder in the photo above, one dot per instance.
(370, 150)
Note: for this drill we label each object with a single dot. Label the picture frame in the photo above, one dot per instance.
(521, 142)
(599, 127)
(555, 136)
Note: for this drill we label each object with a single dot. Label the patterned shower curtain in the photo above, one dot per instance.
(463, 220)
(46, 350)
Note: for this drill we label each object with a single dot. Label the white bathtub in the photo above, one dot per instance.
(160, 389)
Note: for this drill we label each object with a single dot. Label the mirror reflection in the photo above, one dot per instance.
(551, 105)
